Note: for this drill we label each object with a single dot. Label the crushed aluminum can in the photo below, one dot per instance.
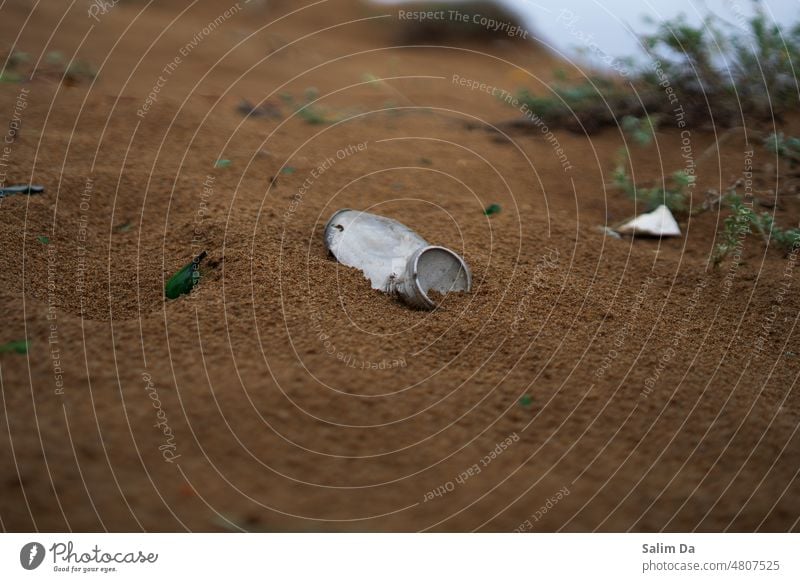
(394, 258)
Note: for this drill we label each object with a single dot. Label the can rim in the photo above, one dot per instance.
(430, 303)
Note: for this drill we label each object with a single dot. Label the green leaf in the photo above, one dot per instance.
(222, 163)
(43, 239)
(184, 280)
(492, 209)
(526, 401)
(124, 227)
(15, 347)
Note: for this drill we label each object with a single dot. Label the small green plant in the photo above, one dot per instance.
(734, 228)
(742, 221)
(786, 147)
(642, 130)
(673, 192)
(587, 106)
(785, 239)
(312, 115)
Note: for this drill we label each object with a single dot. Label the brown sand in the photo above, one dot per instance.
(662, 392)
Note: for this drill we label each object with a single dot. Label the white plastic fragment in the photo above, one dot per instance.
(608, 231)
(658, 223)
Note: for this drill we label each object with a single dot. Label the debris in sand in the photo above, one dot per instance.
(15, 347)
(222, 163)
(21, 189)
(492, 209)
(184, 280)
(267, 109)
(43, 239)
(526, 401)
(394, 258)
(608, 231)
(658, 223)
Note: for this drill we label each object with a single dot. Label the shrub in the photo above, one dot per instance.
(744, 220)
(717, 72)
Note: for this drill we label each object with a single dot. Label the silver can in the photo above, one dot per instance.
(394, 258)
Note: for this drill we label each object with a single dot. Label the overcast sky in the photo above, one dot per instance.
(567, 24)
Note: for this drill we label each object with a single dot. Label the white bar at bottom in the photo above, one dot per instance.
(402, 557)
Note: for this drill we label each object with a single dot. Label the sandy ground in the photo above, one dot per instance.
(285, 395)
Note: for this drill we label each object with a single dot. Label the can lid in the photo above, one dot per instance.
(435, 268)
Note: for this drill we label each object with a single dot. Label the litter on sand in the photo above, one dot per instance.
(492, 209)
(15, 347)
(184, 280)
(394, 258)
(658, 223)
(21, 189)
